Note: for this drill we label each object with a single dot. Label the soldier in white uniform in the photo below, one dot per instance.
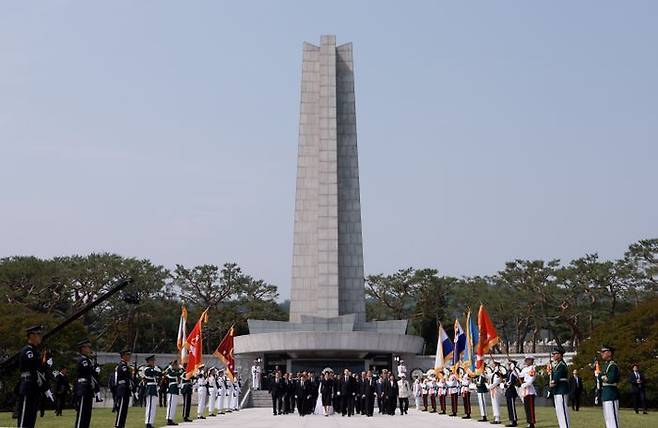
(220, 400)
(528, 393)
(495, 389)
(201, 385)
(424, 388)
(454, 387)
(212, 391)
(255, 376)
(402, 368)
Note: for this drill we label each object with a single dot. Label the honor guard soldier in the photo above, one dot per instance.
(173, 375)
(123, 388)
(609, 378)
(32, 378)
(453, 389)
(151, 377)
(528, 375)
(186, 393)
(559, 385)
(465, 381)
(443, 390)
(511, 394)
(202, 392)
(494, 387)
(86, 384)
(482, 390)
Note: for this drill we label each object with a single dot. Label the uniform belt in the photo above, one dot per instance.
(82, 380)
(151, 383)
(563, 379)
(121, 382)
(26, 375)
(609, 384)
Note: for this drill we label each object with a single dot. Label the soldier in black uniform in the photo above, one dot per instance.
(186, 392)
(123, 385)
(32, 378)
(62, 388)
(85, 385)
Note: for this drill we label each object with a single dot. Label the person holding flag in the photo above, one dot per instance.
(472, 338)
(182, 335)
(459, 345)
(194, 347)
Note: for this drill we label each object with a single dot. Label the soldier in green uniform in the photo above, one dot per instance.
(482, 390)
(151, 378)
(559, 385)
(186, 392)
(173, 373)
(609, 378)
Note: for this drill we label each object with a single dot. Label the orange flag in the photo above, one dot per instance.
(488, 337)
(225, 353)
(194, 346)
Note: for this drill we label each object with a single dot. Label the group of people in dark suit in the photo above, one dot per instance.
(288, 392)
(347, 393)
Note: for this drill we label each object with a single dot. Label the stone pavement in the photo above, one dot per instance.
(263, 418)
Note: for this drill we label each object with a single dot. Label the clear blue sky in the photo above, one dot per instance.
(487, 132)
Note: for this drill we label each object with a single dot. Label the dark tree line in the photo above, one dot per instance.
(46, 291)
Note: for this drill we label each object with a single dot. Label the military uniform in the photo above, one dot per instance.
(482, 390)
(528, 375)
(453, 389)
(173, 376)
(466, 394)
(186, 394)
(202, 393)
(511, 394)
(560, 389)
(494, 388)
(123, 389)
(32, 379)
(609, 378)
(212, 391)
(151, 377)
(442, 392)
(85, 388)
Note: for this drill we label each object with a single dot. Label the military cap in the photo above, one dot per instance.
(607, 348)
(529, 357)
(34, 329)
(149, 358)
(84, 342)
(124, 352)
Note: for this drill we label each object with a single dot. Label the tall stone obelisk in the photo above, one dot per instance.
(327, 269)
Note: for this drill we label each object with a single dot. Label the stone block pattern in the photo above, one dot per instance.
(327, 271)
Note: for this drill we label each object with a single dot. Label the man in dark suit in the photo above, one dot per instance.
(346, 389)
(575, 390)
(286, 393)
(369, 394)
(638, 389)
(303, 395)
(277, 389)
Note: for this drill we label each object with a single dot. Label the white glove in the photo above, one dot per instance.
(97, 370)
(49, 362)
(49, 394)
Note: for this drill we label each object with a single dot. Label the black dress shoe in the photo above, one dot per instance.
(201, 417)
(513, 424)
(466, 417)
(187, 420)
(171, 423)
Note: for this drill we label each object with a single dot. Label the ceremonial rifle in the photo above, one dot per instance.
(12, 362)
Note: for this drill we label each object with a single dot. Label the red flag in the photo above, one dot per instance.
(487, 335)
(194, 346)
(225, 353)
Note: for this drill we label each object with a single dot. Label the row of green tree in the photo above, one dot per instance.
(46, 291)
(532, 302)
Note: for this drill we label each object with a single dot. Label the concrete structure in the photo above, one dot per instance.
(328, 323)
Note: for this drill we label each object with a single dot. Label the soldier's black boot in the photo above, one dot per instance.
(483, 419)
(170, 422)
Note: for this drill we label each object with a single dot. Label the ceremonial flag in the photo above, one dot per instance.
(472, 337)
(443, 350)
(460, 344)
(194, 346)
(488, 337)
(182, 334)
(225, 353)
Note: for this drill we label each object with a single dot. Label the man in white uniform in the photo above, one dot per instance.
(528, 393)
(494, 388)
(202, 393)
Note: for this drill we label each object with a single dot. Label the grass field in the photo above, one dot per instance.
(104, 418)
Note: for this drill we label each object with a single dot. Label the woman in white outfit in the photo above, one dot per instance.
(417, 390)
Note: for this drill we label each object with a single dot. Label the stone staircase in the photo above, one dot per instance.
(259, 398)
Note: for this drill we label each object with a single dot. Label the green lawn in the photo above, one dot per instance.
(103, 418)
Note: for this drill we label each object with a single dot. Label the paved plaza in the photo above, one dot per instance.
(263, 418)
